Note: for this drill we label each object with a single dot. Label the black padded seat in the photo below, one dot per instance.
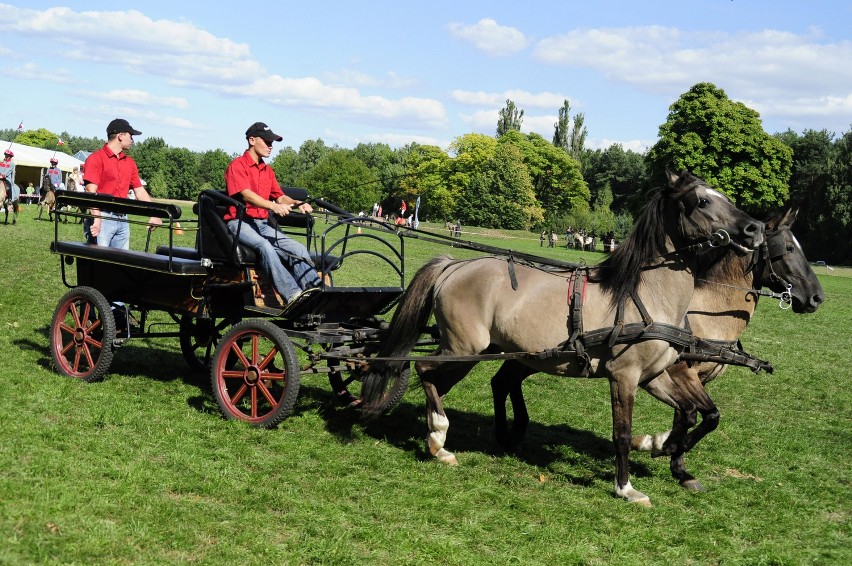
(131, 258)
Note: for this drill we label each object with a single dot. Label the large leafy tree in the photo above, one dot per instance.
(211, 169)
(499, 193)
(555, 175)
(723, 142)
(510, 119)
(41, 138)
(622, 171)
(343, 179)
(427, 174)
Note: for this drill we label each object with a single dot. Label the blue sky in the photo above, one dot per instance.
(198, 73)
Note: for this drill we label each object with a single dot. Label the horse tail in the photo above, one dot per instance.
(406, 326)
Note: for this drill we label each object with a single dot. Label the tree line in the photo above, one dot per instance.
(523, 181)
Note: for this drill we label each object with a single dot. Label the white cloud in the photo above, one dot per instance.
(310, 92)
(779, 73)
(139, 98)
(30, 71)
(523, 99)
(190, 57)
(490, 37)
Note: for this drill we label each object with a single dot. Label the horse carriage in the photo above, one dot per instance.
(226, 318)
(625, 320)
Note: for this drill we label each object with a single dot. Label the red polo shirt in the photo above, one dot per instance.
(113, 174)
(243, 173)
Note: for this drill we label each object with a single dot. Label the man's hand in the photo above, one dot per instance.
(305, 208)
(153, 222)
(280, 208)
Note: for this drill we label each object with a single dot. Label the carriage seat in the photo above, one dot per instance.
(130, 258)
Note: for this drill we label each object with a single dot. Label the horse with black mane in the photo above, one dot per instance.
(721, 306)
(482, 306)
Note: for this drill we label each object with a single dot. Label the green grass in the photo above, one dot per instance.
(141, 468)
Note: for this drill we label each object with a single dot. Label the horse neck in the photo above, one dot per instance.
(722, 305)
(667, 285)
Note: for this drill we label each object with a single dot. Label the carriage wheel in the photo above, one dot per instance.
(81, 334)
(395, 391)
(198, 339)
(255, 374)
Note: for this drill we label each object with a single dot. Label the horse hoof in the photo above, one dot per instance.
(692, 485)
(644, 502)
(446, 457)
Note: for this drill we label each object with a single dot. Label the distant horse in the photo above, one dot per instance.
(480, 308)
(48, 198)
(584, 242)
(5, 197)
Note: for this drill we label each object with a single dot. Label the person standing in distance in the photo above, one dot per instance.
(250, 179)
(110, 171)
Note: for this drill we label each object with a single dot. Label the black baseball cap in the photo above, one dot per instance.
(262, 131)
(120, 125)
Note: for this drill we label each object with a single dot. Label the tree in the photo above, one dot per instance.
(150, 157)
(427, 174)
(555, 175)
(41, 138)
(510, 119)
(342, 179)
(723, 142)
(500, 194)
(212, 165)
(623, 171)
(562, 127)
(577, 143)
(181, 172)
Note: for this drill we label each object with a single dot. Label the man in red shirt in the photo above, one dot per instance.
(110, 171)
(250, 179)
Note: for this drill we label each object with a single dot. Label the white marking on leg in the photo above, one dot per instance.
(438, 425)
(660, 439)
(643, 443)
(632, 495)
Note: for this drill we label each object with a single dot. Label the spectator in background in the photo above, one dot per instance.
(54, 174)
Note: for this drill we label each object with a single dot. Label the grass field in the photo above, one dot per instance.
(142, 469)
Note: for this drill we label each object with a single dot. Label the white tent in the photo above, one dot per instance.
(31, 163)
(36, 157)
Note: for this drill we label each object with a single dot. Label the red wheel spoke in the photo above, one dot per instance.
(254, 402)
(232, 374)
(239, 352)
(76, 366)
(267, 393)
(239, 394)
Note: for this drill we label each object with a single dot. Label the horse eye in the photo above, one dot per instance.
(702, 202)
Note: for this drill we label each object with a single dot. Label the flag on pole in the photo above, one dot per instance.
(21, 127)
(59, 141)
(416, 213)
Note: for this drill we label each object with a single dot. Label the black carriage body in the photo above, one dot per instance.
(215, 296)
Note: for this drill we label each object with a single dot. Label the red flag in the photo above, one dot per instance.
(60, 142)
(21, 127)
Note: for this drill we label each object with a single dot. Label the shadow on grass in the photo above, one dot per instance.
(578, 456)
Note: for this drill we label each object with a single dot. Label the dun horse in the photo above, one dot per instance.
(479, 308)
(721, 308)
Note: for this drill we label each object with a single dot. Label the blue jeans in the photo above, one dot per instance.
(275, 250)
(114, 233)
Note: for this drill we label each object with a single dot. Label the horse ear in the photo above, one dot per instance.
(789, 217)
(671, 177)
